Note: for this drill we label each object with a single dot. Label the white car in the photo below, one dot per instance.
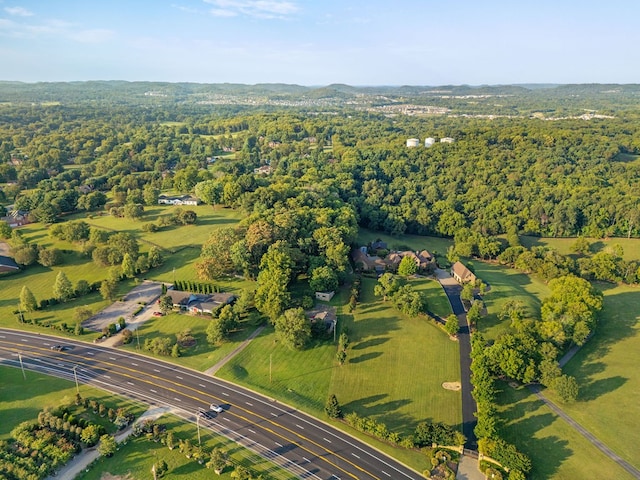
(216, 408)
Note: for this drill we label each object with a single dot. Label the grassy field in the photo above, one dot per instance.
(557, 451)
(506, 284)
(199, 357)
(630, 246)
(136, 457)
(437, 301)
(21, 400)
(386, 353)
(436, 245)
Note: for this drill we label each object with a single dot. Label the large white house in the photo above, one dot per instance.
(178, 200)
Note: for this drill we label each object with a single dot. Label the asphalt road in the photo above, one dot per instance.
(469, 407)
(304, 445)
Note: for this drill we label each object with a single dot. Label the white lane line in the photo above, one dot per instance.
(225, 394)
(250, 404)
(306, 459)
(252, 431)
(156, 370)
(177, 399)
(299, 426)
(24, 340)
(15, 354)
(385, 473)
(226, 419)
(106, 376)
(279, 444)
(203, 386)
(152, 390)
(326, 439)
(89, 353)
(178, 376)
(112, 358)
(129, 383)
(273, 414)
(355, 455)
(134, 364)
(2, 336)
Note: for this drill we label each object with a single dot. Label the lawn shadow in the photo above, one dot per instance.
(307, 373)
(364, 357)
(595, 389)
(374, 342)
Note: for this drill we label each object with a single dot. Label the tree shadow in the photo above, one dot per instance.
(370, 343)
(595, 389)
(365, 357)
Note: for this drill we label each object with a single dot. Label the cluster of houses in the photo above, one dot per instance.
(178, 200)
(366, 262)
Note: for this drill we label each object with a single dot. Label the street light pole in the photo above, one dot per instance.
(270, 363)
(75, 375)
(138, 337)
(198, 426)
(22, 366)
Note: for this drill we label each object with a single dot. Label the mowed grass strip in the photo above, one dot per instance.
(630, 246)
(21, 400)
(437, 301)
(200, 356)
(506, 284)
(396, 366)
(606, 370)
(135, 458)
(557, 451)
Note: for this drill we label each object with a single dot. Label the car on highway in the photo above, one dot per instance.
(59, 348)
(216, 408)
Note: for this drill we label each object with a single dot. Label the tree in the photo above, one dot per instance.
(165, 304)
(128, 266)
(293, 328)
(566, 387)
(107, 446)
(220, 327)
(82, 313)
(62, 288)
(581, 246)
(407, 266)
(216, 254)
(48, 257)
(28, 301)
(219, 460)
(451, 325)
(90, 434)
(109, 289)
(323, 279)
(332, 407)
(154, 257)
(387, 285)
(5, 230)
(133, 211)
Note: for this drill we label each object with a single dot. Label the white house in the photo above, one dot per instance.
(178, 200)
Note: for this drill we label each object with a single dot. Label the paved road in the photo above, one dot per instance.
(452, 289)
(302, 444)
(597, 443)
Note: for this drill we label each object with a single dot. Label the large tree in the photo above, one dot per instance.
(28, 301)
(293, 328)
(62, 287)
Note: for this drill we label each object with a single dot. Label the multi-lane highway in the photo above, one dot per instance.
(304, 445)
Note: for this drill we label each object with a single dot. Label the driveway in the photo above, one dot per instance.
(144, 294)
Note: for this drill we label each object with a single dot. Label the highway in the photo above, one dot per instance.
(305, 446)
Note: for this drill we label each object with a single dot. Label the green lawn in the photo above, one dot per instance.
(557, 451)
(437, 301)
(435, 245)
(506, 284)
(136, 457)
(21, 400)
(202, 355)
(630, 246)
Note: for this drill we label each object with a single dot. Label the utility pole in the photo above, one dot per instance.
(138, 337)
(75, 375)
(270, 363)
(198, 426)
(22, 366)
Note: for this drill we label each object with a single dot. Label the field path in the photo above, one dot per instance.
(234, 352)
(580, 429)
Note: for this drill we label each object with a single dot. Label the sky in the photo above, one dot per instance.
(320, 42)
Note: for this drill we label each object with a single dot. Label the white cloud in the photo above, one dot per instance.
(96, 35)
(253, 8)
(18, 11)
(54, 28)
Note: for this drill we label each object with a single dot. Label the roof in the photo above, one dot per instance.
(462, 272)
(8, 264)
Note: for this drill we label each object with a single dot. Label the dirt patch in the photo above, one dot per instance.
(452, 386)
(5, 249)
(108, 476)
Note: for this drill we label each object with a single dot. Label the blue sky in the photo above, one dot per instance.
(318, 42)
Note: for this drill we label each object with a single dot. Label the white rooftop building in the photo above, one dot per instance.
(429, 141)
(413, 142)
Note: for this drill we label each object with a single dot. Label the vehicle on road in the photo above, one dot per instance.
(216, 408)
(60, 348)
(157, 314)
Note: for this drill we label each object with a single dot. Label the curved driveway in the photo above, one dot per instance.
(302, 444)
(452, 289)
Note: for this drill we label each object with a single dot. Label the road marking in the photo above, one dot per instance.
(14, 354)
(299, 426)
(385, 473)
(326, 439)
(112, 358)
(89, 353)
(227, 419)
(2, 336)
(335, 476)
(152, 390)
(156, 370)
(203, 386)
(355, 455)
(306, 459)
(129, 383)
(106, 376)
(250, 404)
(225, 394)
(24, 340)
(177, 399)
(252, 431)
(178, 376)
(273, 414)
(280, 445)
(134, 364)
